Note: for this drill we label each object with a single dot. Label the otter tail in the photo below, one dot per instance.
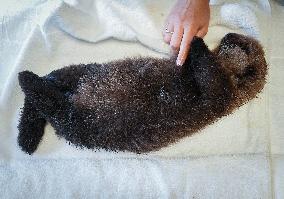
(41, 101)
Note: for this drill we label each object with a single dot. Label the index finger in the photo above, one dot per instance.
(188, 35)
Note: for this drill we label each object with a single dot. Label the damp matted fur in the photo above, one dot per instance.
(141, 104)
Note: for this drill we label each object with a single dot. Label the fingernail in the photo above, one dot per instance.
(178, 62)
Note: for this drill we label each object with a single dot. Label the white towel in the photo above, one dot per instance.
(56, 34)
(213, 177)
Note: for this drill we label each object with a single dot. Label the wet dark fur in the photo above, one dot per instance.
(141, 104)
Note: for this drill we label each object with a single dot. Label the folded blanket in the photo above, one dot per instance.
(94, 21)
(54, 34)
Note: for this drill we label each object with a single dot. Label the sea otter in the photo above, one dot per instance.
(141, 104)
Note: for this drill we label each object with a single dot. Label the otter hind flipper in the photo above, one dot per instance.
(31, 128)
(42, 101)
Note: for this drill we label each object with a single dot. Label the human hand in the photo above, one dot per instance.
(186, 19)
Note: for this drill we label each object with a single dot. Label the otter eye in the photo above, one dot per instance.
(248, 73)
(245, 46)
(246, 49)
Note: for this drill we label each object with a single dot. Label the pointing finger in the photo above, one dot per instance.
(185, 45)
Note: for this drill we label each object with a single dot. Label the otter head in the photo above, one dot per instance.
(243, 59)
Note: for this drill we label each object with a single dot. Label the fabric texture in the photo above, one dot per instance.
(229, 159)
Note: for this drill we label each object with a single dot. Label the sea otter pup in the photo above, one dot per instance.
(141, 104)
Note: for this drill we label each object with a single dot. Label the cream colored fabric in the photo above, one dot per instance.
(228, 158)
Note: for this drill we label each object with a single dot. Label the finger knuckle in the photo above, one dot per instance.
(167, 39)
(175, 46)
